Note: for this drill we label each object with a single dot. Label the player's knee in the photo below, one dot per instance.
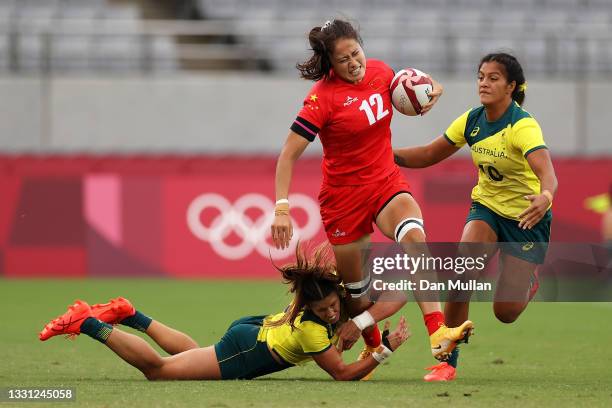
(151, 375)
(505, 317)
(410, 230)
(154, 373)
(506, 314)
(191, 344)
(153, 370)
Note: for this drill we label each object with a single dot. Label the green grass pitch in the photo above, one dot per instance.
(556, 354)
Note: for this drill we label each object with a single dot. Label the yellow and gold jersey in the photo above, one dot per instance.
(499, 151)
(310, 336)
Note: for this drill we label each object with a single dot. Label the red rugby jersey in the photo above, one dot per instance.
(353, 122)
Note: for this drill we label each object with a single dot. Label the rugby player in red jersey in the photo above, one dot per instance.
(349, 108)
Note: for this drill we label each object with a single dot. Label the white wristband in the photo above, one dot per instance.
(381, 354)
(282, 201)
(364, 320)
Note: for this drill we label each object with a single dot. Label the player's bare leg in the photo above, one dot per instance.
(192, 364)
(195, 364)
(401, 207)
(513, 288)
(170, 340)
(401, 220)
(121, 311)
(475, 231)
(350, 261)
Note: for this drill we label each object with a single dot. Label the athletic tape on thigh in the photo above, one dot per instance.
(406, 225)
(358, 289)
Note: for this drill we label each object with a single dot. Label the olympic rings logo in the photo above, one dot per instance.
(253, 234)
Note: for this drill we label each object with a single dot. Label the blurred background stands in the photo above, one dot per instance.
(566, 38)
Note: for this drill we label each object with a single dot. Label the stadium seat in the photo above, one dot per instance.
(509, 23)
(70, 53)
(36, 10)
(30, 53)
(380, 47)
(421, 55)
(116, 53)
(520, 4)
(534, 54)
(164, 54)
(80, 9)
(551, 21)
(5, 58)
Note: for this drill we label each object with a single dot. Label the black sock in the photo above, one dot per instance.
(137, 321)
(96, 329)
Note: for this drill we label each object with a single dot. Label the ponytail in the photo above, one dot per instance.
(322, 40)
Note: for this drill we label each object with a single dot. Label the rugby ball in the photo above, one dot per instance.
(410, 89)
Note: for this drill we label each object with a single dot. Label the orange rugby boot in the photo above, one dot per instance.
(114, 311)
(69, 323)
(440, 372)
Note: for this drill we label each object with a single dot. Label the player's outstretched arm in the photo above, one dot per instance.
(282, 230)
(331, 359)
(426, 155)
(350, 332)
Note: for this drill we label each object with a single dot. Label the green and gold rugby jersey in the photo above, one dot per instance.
(499, 151)
(311, 336)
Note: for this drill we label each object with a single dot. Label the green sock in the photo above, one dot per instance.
(137, 321)
(96, 329)
(454, 357)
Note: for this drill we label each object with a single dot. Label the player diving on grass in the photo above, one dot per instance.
(349, 108)
(516, 185)
(252, 346)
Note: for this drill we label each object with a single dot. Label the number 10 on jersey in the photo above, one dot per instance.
(366, 106)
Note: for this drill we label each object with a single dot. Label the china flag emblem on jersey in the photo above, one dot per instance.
(313, 99)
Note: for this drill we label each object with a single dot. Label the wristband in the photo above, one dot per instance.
(364, 320)
(381, 354)
(282, 208)
(282, 201)
(548, 195)
(385, 339)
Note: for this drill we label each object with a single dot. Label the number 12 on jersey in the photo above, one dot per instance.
(375, 100)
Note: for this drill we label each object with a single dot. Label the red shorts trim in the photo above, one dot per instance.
(349, 212)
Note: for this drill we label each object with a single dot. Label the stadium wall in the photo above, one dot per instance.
(248, 114)
(209, 216)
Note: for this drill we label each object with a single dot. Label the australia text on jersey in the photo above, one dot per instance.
(488, 152)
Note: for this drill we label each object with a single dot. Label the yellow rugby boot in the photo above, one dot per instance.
(445, 339)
